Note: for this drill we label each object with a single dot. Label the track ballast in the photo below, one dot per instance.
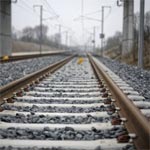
(68, 110)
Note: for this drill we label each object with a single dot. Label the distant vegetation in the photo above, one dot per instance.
(113, 44)
(27, 47)
(32, 35)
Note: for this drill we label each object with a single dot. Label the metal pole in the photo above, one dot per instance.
(94, 38)
(59, 36)
(102, 30)
(82, 21)
(102, 36)
(41, 28)
(141, 34)
(41, 25)
(66, 38)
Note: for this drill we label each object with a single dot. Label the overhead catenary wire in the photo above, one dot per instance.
(27, 7)
(50, 8)
(48, 12)
(23, 5)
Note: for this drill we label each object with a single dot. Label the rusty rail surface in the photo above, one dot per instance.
(136, 122)
(22, 57)
(8, 90)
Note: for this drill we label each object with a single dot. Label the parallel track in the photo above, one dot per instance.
(82, 111)
(16, 86)
(29, 56)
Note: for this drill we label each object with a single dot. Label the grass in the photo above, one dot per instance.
(25, 47)
(131, 58)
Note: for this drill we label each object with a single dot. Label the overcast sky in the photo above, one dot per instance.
(69, 12)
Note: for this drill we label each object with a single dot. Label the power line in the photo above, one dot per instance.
(108, 14)
(25, 6)
(91, 13)
(88, 18)
(50, 8)
(22, 6)
(47, 11)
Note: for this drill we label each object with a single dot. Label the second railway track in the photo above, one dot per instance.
(68, 110)
(22, 56)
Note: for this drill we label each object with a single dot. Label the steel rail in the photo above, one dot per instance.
(136, 122)
(8, 90)
(29, 56)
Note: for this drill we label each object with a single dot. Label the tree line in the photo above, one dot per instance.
(116, 40)
(33, 34)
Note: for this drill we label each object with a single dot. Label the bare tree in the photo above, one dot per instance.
(28, 34)
(147, 27)
(38, 32)
(114, 41)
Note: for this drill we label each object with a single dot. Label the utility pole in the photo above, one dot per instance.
(94, 42)
(59, 33)
(82, 22)
(41, 28)
(141, 34)
(102, 36)
(102, 30)
(69, 43)
(66, 38)
(41, 25)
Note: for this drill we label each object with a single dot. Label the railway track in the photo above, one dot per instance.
(70, 109)
(12, 58)
(130, 105)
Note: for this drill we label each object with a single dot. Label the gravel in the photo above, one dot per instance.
(33, 118)
(128, 147)
(63, 90)
(15, 70)
(67, 133)
(71, 71)
(137, 78)
(35, 108)
(54, 101)
(62, 95)
(32, 148)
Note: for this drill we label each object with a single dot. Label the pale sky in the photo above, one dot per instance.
(69, 12)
